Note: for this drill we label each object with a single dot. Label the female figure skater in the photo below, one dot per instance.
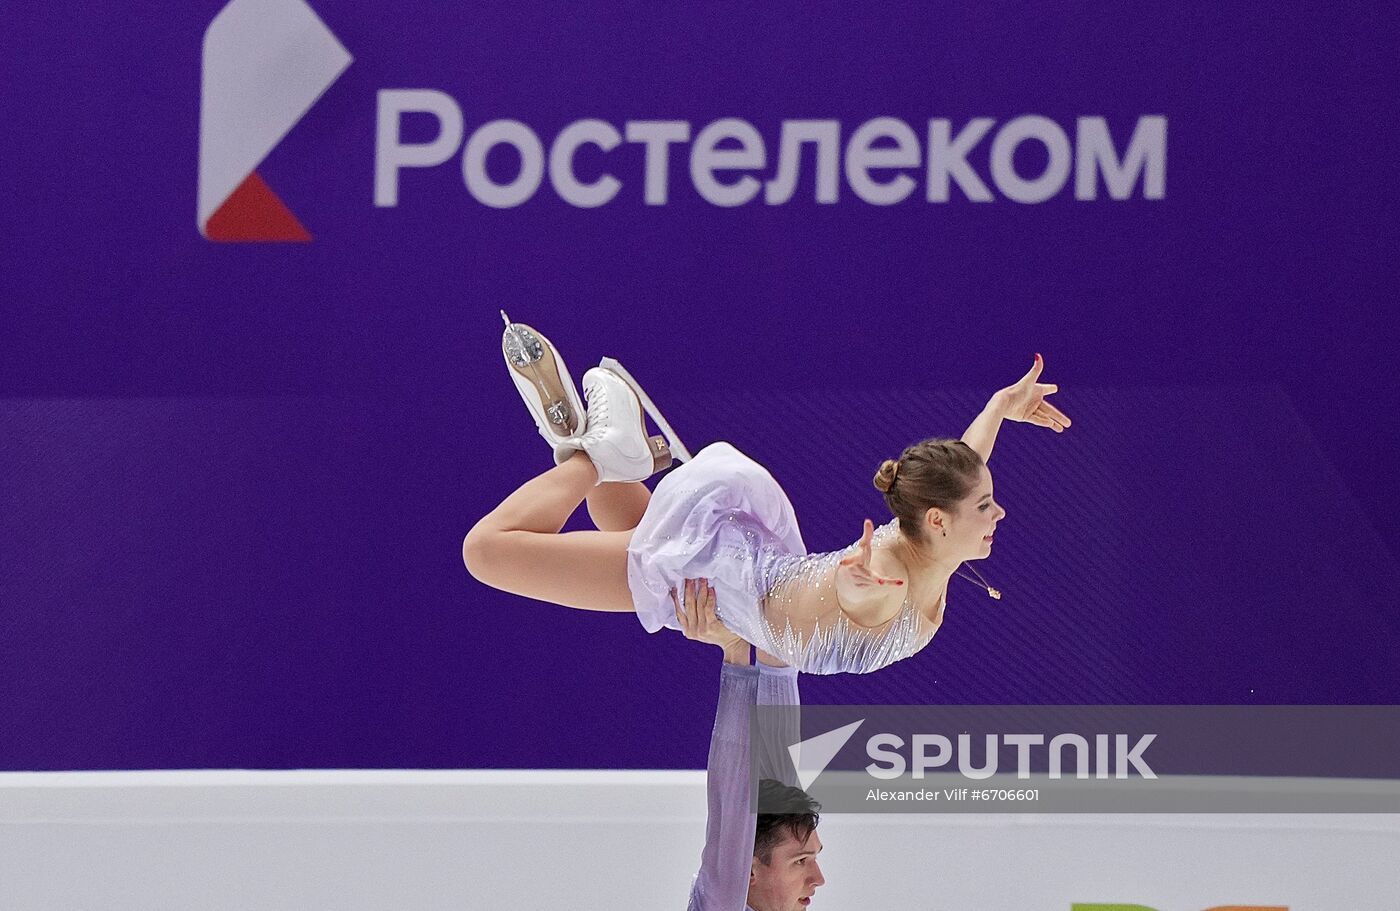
(723, 517)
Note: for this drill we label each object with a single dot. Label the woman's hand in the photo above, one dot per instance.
(700, 622)
(1025, 401)
(855, 570)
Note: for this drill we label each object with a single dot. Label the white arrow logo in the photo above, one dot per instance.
(811, 757)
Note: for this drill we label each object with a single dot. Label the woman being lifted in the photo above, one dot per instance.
(721, 516)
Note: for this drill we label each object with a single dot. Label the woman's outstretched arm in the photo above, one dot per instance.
(981, 434)
(1023, 402)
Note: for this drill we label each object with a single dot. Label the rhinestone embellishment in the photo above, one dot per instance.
(833, 645)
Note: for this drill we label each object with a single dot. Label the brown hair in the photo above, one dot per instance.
(935, 473)
(782, 810)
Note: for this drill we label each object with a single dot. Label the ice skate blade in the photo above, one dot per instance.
(530, 356)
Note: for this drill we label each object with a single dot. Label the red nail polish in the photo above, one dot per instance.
(1037, 356)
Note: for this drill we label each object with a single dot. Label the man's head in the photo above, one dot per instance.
(785, 870)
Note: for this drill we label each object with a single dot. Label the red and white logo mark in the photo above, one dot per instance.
(266, 62)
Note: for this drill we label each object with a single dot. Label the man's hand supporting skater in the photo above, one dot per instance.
(700, 622)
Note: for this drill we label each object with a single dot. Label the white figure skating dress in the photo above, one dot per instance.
(722, 517)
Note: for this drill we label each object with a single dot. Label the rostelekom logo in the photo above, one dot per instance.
(266, 62)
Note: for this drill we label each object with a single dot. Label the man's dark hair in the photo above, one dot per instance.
(782, 810)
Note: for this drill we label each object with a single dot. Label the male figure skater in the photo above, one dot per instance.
(756, 862)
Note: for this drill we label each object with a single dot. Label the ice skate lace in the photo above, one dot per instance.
(597, 412)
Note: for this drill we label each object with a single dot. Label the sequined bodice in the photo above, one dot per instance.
(807, 628)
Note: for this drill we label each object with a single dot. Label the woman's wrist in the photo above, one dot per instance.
(997, 404)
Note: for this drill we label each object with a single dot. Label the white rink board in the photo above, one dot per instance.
(433, 841)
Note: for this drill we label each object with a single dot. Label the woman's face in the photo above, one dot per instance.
(971, 528)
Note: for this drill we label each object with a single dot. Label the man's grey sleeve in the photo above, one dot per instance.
(778, 730)
(723, 881)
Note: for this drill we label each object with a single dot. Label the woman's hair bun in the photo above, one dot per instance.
(884, 478)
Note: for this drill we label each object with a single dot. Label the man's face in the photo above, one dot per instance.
(788, 881)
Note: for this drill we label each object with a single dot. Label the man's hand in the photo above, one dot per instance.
(700, 622)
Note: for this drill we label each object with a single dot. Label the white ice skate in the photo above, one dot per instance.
(616, 440)
(545, 385)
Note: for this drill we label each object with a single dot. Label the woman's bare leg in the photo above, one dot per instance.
(517, 547)
(618, 506)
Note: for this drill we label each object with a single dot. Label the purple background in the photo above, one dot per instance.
(234, 479)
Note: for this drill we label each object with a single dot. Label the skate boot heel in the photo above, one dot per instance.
(661, 458)
(617, 442)
(676, 447)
